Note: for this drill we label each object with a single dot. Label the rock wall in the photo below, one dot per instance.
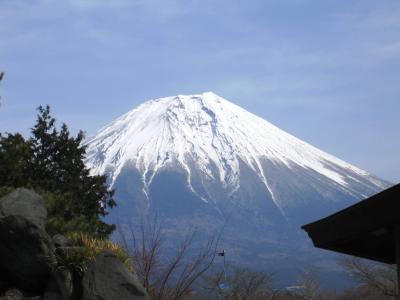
(28, 262)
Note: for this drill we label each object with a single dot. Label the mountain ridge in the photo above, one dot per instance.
(215, 136)
(201, 162)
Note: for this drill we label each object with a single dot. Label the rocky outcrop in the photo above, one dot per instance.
(108, 278)
(26, 251)
(25, 203)
(12, 294)
(28, 260)
(26, 255)
(61, 241)
(65, 282)
(52, 291)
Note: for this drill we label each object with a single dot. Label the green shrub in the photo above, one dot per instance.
(51, 162)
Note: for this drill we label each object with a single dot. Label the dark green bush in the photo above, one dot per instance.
(51, 162)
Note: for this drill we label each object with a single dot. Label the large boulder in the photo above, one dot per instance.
(107, 278)
(52, 291)
(60, 241)
(60, 286)
(26, 251)
(25, 203)
(12, 294)
(65, 282)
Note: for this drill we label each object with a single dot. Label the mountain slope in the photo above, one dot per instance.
(207, 133)
(201, 161)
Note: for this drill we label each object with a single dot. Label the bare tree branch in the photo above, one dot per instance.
(379, 277)
(171, 278)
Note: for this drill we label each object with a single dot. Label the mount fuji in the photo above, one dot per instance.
(200, 161)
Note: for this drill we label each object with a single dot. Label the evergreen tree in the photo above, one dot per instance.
(52, 162)
(14, 160)
(43, 149)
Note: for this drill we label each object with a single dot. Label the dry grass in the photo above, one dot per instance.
(86, 248)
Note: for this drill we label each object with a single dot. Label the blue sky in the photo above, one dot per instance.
(326, 71)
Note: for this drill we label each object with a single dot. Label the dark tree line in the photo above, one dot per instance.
(51, 161)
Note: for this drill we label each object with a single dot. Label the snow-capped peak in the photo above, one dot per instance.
(210, 132)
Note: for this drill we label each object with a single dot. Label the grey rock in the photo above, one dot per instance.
(52, 291)
(26, 253)
(60, 241)
(107, 278)
(65, 282)
(25, 203)
(12, 294)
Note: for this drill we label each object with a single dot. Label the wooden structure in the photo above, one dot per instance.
(369, 229)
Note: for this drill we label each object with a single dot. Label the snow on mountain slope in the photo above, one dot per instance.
(217, 136)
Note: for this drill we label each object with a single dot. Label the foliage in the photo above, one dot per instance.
(14, 160)
(51, 161)
(4, 190)
(86, 248)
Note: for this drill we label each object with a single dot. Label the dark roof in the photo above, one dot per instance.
(365, 229)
